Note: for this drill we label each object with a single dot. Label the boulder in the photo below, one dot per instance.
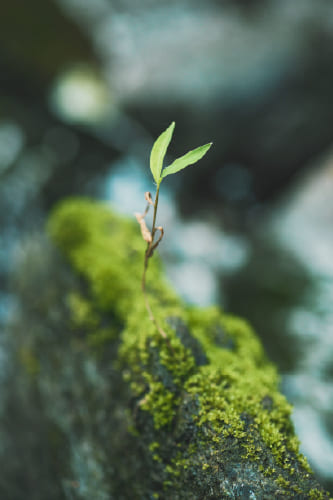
(117, 410)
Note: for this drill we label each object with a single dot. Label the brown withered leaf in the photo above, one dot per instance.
(146, 234)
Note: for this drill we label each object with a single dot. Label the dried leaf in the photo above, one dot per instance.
(146, 234)
(149, 198)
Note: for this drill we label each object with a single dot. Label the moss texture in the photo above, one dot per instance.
(208, 401)
(199, 416)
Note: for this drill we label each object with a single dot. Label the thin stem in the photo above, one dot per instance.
(155, 212)
(150, 245)
(145, 266)
(149, 252)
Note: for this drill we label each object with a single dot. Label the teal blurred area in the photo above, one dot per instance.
(85, 88)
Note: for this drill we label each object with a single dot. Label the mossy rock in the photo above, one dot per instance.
(197, 416)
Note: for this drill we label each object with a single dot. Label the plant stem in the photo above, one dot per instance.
(150, 245)
(149, 252)
(153, 231)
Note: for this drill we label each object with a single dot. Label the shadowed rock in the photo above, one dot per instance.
(132, 416)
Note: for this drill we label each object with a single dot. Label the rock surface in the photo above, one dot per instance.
(109, 409)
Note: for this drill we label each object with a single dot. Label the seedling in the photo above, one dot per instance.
(153, 238)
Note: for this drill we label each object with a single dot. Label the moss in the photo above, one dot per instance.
(154, 446)
(160, 402)
(228, 401)
(315, 494)
(237, 380)
(29, 361)
(281, 481)
(82, 313)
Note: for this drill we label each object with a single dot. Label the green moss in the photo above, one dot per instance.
(238, 380)
(160, 402)
(315, 494)
(29, 361)
(82, 313)
(154, 446)
(234, 393)
(281, 481)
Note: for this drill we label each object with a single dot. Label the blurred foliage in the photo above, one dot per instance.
(38, 41)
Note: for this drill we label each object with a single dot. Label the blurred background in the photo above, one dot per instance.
(85, 88)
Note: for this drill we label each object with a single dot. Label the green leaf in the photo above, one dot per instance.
(158, 152)
(186, 160)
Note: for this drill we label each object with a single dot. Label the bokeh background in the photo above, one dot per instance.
(85, 88)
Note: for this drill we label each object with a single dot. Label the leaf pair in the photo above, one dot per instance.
(158, 153)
